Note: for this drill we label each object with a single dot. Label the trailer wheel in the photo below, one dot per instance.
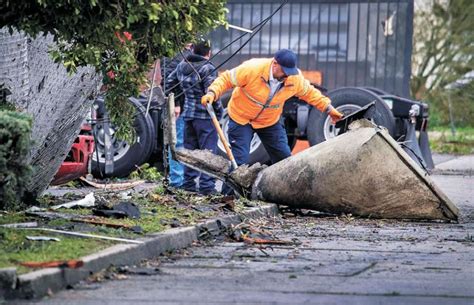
(125, 157)
(347, 100)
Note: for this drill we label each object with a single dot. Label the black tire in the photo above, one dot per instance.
(376, 91)
(347, 100)
(126, 157)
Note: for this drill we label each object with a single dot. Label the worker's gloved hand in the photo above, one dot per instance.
(208, 98)
(335, 115)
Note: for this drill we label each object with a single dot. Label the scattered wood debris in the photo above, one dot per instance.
(252, 232)
(20, 225)
(113, 186)
(86, 202)
(262, 241)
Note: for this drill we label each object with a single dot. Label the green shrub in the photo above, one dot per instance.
(15, 129)
(462, 105)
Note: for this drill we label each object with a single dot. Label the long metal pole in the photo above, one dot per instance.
(152, 87)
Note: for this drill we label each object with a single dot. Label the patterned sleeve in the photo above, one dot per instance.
(172, 79)
(209, 75)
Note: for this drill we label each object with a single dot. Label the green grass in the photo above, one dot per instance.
(158, 213)
(16, 248)
(442, 140)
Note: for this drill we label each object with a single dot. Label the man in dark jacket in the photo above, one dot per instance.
(195, 74)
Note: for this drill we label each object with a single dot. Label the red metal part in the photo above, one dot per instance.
(77, 160)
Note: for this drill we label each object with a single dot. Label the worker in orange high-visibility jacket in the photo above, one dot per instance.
(261, 87)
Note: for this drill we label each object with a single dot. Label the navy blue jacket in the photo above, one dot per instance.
(195, 70)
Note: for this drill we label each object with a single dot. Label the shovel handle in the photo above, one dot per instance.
(212, 113)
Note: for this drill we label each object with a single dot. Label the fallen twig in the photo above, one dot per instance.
(101, 223)
(87, 235)
(113, 186)
(262, 241)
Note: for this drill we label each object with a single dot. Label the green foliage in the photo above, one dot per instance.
(462, 106)
(15, 131)
(146, 172)
(443, 141)
(120, 38)
(4, 93)
(442, 44)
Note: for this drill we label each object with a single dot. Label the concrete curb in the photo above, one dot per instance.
(41, 282)
(458, 165)
(453, 172)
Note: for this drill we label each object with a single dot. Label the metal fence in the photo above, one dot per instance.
(352, 43)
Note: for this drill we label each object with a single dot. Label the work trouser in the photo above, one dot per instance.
(199, 134)
(273, 138)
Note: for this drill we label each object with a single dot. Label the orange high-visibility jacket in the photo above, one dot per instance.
(252, 90)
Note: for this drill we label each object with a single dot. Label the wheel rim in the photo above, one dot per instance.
(330, 130)
(120, 147)
(254, 143)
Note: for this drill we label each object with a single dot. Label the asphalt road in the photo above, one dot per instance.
(333, 260)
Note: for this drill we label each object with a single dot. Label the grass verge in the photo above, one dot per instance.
(15, 248)
(443, 141)
(159, 212)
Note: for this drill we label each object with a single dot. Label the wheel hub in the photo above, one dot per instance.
(120, 147)
(330, 130)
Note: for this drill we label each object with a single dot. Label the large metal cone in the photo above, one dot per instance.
(363, 172)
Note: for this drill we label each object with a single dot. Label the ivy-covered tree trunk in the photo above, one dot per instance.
(58, 102)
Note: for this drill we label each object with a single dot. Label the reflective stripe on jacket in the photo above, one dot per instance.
(252, 90)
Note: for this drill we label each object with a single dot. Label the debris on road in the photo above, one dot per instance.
(102, 223)
(253, 233)
(20, 225)
(262, 241)
(52, 215)
(89, 235)
(42, 238)
(117, 186)
(123, 209)
(88, 201)
(139, 270)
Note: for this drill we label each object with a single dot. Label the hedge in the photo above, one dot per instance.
(15, 131)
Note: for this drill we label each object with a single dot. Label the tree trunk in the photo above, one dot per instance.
(58, 102)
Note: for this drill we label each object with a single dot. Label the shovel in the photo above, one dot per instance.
(212, 113)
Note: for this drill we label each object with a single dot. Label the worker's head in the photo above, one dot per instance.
(202, 48)
(284, 64)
